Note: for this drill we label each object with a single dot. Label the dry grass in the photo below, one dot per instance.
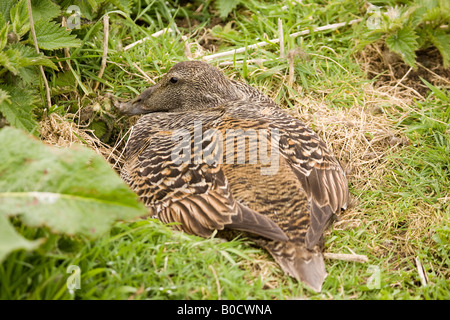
(361, 136)
(395, 77)
(64, 132)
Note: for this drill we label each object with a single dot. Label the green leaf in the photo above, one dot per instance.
(8, 59)
(99, 128)
(20, 56)
(438, 93)
(444, 5)
(226, 6)
(5, 8)
(427, 3)
(17, 108)
(442, 43)
(62, 79)
(88, 8)
(123, 5)
(69, 190)
(44, 10)
(2, 20)
(4, 28)
(19, 18)
(29, 57)
(4, 96)
(29, 75)
(50, 36)
(431, 15)
(403, 42)
(10, 240)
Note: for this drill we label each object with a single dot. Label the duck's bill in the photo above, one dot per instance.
(128, 108)
(138, 105)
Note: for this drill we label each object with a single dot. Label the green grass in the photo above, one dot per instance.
(142, 260)
(406, 216)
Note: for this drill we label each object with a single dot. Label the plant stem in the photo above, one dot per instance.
(33, 33)
(105, 48)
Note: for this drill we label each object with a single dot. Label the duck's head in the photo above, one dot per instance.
(188, 86)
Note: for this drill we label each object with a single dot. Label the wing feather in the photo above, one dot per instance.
(321, 175)
(195, 195)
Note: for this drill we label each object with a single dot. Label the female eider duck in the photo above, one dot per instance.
(280, 188)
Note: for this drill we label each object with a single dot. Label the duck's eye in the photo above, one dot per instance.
(173, 80)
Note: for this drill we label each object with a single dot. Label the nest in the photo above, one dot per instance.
(64, 132)
(361, 137)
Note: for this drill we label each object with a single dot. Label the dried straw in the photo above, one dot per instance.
(64, 132)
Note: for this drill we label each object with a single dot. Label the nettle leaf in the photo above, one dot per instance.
(370, 37)
(19, 18)
(8, 59)
(50, 36)
(99, 128)
(422, 37)
(430, 4)
(4, 28)
(123, 5)
(88, 8)
(20, 56)
(29, 57)
(4, 96)
(29, 76)
(444, 5)
(226, 6)
(62, 79)
(10, 240)
(432, 13)
(17, 108)
(442, 43)
(404, 42)
(44, 10)
(69, 190)
(5, 8)
(2, 20)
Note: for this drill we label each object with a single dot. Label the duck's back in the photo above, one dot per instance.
(282, 197)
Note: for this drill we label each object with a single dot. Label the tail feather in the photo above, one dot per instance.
(305, 265)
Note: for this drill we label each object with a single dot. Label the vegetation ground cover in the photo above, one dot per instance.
(385, 115)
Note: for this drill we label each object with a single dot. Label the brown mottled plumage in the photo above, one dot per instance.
(285, 212)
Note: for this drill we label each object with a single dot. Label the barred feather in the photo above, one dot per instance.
(286, 212)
